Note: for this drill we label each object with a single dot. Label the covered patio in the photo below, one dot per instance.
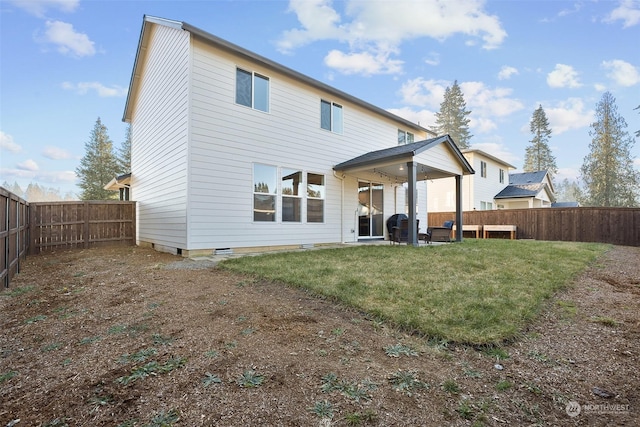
(433, 158)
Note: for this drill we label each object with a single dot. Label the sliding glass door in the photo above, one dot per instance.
(370, 210)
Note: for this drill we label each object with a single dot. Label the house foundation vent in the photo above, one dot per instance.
(307, 246)
(223, 251)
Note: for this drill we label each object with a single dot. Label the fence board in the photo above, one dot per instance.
(618, 226)
(82, 224)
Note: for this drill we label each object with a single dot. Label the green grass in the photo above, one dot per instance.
(475, 292)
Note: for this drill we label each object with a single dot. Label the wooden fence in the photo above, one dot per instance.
(34, 228)
(83, 224)
(13, 234)
(618, 226)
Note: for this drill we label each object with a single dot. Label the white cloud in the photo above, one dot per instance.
(40, 7)
(568, 115)
(563, 76)
(571, 174)
(622, 72)
(498, 150)
(67, 40)
(433, 59)
(489, 103)
(506, 72)
(6, 143)
(425, 118)
(627, 11)
(423, 93)
(28, 165)
(103, 91)
(364, 63)
(56, 153)
(379, 27)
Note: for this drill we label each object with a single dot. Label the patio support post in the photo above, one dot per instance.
(459, 208)
(412, 237)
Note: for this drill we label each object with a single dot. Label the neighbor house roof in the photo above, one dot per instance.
(525, 184)
(489, 156)
(118, 182)
(251, 56)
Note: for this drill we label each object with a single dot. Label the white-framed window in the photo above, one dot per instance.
(405, 137)
(483, 169)
(265, 189)
(501, 176)
(315, 197)
(331, 116)
(486, 206)
(252, 90)
(270, 181)
(291, 198)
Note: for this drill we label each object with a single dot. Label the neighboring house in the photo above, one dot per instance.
(122, 184)
(527, 190)
(231, 150)
(478, 191)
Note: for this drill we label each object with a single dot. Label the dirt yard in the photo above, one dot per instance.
(133, 337)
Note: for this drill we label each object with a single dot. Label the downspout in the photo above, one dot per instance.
(341, 178)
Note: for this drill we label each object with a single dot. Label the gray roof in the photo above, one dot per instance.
(565, 205)
(525, 184)
(399, 152)
(514, 191)
(527, 177)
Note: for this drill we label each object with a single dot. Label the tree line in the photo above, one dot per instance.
(607, 176)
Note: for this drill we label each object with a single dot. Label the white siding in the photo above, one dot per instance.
(159, 139)
(475, 188)
(227, 139)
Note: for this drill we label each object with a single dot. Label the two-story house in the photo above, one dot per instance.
(231, 150)
(478, 190)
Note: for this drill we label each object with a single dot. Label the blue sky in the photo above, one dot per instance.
(64, 63)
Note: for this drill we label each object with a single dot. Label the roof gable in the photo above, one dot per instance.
(220, 43)
(400, 152)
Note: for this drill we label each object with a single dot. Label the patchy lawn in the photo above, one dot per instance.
(133, 337)
(476, 292)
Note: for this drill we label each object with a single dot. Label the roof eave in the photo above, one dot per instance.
(268, 63)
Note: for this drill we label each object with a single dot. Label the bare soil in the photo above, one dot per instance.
(130, 336)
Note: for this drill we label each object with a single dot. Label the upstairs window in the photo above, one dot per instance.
(501, 176)
(331, 116)
(252, 90)
(404, 137)
(483, 169)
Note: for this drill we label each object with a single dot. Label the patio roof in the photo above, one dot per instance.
(391, 162)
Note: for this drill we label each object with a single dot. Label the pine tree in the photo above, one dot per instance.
(538, 155)
(98, 166)
(124, 153)
(608, 173)
(567, 191)
(452, 118)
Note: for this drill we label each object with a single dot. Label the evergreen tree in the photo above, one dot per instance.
(98, 166)
(452, 118)
(538, 155)
(638, 131)
(608, 173)
(124, 153)
(567, 191)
